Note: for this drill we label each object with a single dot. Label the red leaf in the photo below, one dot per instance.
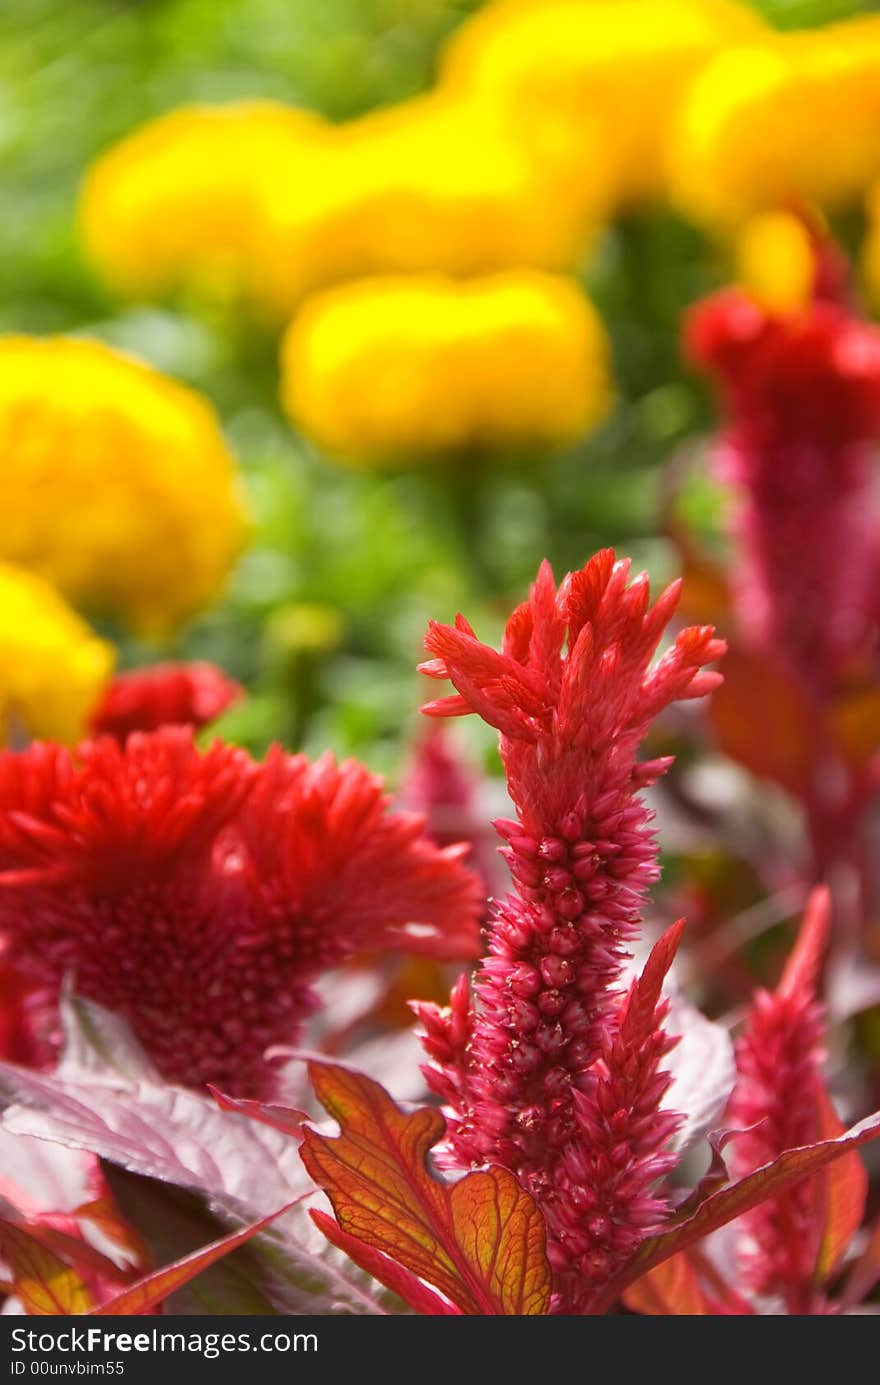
(143, 1295)
(724, 1206)
(865, 1273)
(842, 1195)
(43, 1282)
(388, 1272)
(284, 1118)
(756, 692)
(672, 1290)
(480, 1242)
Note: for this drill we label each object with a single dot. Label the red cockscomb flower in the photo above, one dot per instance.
(801, 392)
(551, 1072)
(199, 894)
(169, 694)
(779, 1102)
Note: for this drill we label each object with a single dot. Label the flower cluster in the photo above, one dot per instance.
(788, 119)
(261, 202)
(53, 668)
(550, 1071)
(199, 895)
(801, 391)
(381, 367)
(150, 541)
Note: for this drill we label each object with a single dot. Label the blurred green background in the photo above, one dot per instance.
(324, 617)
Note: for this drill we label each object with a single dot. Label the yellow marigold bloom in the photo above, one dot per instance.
(174, 204)
(265, 203)
(430, 185)
(115, 482)
(793, 119)
(53, 668)
(386, 368)
(614, 67)
(776, 261)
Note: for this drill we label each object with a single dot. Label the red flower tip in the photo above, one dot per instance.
(198, 893)
(573, 683)
(168, 694)
(813, 373)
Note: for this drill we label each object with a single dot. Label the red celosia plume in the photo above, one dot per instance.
(549, 1072)
(801, 394)
(192, 694)
(198, 894)
(780, 1103)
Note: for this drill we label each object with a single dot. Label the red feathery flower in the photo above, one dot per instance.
(199, 894)
(802, 396)
(169, 694)
(777, 1102)
(544, 1073)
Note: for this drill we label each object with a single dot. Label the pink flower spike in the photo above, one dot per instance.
(573, 692)
(779, 1103)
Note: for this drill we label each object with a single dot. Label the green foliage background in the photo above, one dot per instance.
(324, 617)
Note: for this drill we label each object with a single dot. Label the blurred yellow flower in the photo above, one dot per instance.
(115, 482)
(608, 72)
(791, 120)
(776, 261)
(174, 204)
(386, 368)
(53, 668)
(430, 185)
(263, 203)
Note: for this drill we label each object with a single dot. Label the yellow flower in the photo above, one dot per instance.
(115, 482)
(431, 185)
(174, 204)
(53, 668)
(383, 368)
(776, 261)
(265, 203)
(610, 73)
(793, 119)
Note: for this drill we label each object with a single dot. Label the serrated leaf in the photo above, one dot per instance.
(480, 1242)
(723, 1206)
(244, 1168)
(43, 1283)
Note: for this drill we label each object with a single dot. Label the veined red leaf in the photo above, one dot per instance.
(842, 1194)
(722, 1207)
(40, 1279)
(284, 1118)
(480, 1242)
(671, 1289)
(153, 1287)
(401, 1281)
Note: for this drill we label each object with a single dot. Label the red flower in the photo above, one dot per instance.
(802, 397)
(199, 894)
(192, 694)
(544, 1073)
(777, 1103)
